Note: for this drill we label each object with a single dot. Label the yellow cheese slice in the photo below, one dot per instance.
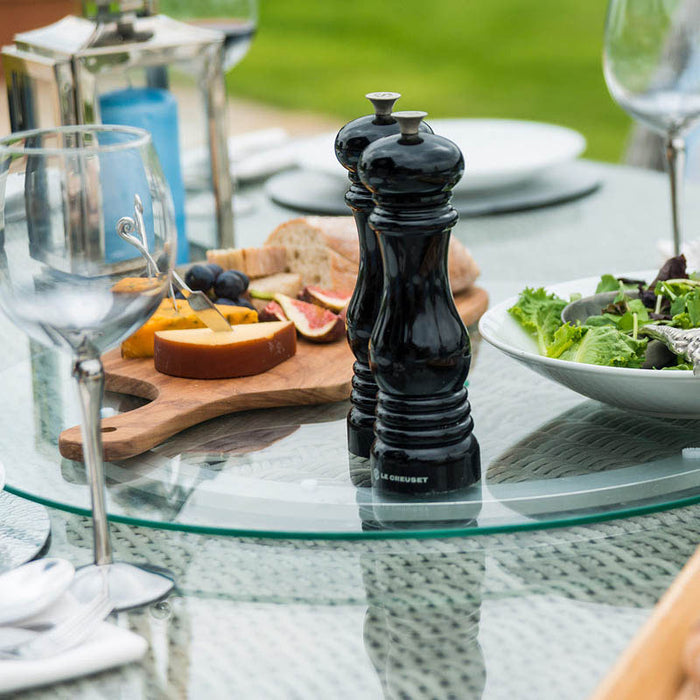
(140, 343)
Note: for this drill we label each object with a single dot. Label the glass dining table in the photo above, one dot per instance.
(290, 582)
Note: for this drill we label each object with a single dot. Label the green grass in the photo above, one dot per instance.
(521, 59)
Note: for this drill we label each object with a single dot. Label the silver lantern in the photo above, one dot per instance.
(123, 64)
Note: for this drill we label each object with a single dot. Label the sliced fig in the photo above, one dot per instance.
(272, 311)
(327, 298)
(312, 322)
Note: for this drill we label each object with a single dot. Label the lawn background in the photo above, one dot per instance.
(520, 59)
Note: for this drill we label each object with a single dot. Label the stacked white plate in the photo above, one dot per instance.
(510, 165)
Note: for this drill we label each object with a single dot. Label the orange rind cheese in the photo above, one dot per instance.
(140, 343)
(137, 285)
(201, 353)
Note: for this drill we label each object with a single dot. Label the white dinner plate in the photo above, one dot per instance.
(673, 393)
(499, 153)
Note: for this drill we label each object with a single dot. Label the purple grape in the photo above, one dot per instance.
(216, 270)
(229, 284)
(242, 301)
(199, 278)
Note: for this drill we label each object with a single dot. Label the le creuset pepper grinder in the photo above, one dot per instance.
(362, 310)
(419, 350)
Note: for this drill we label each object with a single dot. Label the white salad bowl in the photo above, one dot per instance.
(670, 393)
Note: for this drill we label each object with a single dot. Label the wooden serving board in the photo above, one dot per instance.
(652, 665)
(316, 374)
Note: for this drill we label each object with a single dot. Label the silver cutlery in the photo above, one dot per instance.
(133, 232)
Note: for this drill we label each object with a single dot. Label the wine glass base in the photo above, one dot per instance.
(24, 530)
(130, 586)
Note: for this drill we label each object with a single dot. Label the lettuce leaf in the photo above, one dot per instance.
(604, 345)
(539, 313)
(607, 283)
(566, 336)
(685, 310)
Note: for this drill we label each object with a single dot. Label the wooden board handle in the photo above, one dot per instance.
(131, 433)
(128, 434)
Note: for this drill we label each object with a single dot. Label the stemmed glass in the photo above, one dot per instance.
(651, 62)
(71, 282)
(236, 19)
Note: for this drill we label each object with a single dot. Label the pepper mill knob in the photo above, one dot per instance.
(383, 102)
(409, 122)
(419, 349)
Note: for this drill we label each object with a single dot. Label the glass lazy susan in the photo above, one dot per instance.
(549, 458)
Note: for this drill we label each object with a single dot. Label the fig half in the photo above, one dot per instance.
(312, 322)
(327, 298)
(272, 311)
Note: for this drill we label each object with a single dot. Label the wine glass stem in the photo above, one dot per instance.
(675, 155)
(90, 378)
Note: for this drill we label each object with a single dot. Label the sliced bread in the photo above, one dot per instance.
(255, 262)
(325, 251)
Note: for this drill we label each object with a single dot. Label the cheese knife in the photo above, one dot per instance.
(198, 301)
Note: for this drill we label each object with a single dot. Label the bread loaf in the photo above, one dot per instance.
(255, 262)
(325, 251)
(322, 249)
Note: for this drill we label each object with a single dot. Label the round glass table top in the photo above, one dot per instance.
(549, 458)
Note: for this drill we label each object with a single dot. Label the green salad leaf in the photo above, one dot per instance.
(615, 336)
(539, 313)
(565, 337)
(607, 283)
(605, 345)
(685, 310)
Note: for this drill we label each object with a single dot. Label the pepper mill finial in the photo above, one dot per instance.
(419, 348)
(409, 122)
(383, 102)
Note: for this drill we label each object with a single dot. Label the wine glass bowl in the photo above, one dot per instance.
(651, 63)
(237, 20)
(64, 271)
(71, 281)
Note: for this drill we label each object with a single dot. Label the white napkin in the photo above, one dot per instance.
(108, 646)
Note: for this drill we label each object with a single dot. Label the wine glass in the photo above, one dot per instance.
(236, 19)
(651, 63)
(70, 281)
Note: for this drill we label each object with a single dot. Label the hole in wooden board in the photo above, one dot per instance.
(108, 430)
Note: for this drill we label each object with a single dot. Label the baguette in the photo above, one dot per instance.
(254, 262)
(325, 251)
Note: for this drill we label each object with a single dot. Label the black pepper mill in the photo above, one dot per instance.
(362, 310)
(419, 349)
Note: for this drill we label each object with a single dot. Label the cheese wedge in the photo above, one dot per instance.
(140, 343)
(137, 285)
(201, 353)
